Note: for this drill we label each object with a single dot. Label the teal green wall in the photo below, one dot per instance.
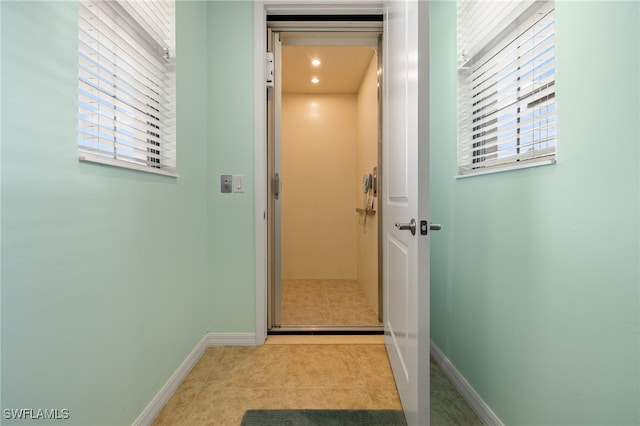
(1, 405)
(535, 277)
(105, 278)
(231, 147)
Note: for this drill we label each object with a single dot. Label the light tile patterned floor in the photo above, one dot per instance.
(227, 381)
(318, 372)
(326, 302)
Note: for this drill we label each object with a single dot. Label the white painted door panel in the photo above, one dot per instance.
(405, 197)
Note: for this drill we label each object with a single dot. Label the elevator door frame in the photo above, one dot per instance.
(314, 30)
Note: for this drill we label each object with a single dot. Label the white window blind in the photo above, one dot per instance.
(506, 101)
(126, 84)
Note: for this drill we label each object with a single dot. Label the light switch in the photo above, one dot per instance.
(238, 183)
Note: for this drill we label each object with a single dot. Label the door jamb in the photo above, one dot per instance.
(261, 8)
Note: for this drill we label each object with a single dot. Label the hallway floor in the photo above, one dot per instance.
(315, 372)
(326, 302)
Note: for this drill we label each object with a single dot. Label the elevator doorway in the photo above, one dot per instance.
(324, 167)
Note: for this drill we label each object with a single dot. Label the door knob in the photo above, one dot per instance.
(411, 226)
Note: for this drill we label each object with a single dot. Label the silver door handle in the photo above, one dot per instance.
(411, 226)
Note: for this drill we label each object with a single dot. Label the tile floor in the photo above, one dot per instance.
(229, 380)
(299, 372)
(326, 302)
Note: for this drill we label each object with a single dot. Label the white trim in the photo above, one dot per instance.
(322, 7)
(231, 339)
(476, 403)
(158, 402)
(86, 158)
(516, 166)
(260, 172)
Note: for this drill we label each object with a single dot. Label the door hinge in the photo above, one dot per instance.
(269, 69)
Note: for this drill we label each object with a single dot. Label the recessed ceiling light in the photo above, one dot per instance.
(315, 62)
(315, 80)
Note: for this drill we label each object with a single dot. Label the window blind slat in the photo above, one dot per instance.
(118, 68)
(93, 137)
(109, 149)
(91, 103)
(541, 134)
(153, 17)
(118, 125)
(508, 108)
(524, 156)
(481, 21)
(103, 23)
(117, 132)
(515, 122)
(98, 33)
(498, 72)
(538, 134)
(529, 34)
(122, 155)
(131, 128)
(132, 100)
(522, 84)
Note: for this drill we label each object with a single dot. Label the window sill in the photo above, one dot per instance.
(480, 172)
(124, 165)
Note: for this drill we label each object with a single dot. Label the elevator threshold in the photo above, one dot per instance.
(302, 330)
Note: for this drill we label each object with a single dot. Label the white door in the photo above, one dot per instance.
(405, 197)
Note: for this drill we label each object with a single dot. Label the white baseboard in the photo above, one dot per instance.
(232, 339)
(158, 402)
(477, 404)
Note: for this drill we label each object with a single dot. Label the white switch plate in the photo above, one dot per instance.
(238, 183)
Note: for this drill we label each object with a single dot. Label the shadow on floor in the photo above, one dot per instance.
(448, 407)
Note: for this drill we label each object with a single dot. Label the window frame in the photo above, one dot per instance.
(126, 85)
(482, 53)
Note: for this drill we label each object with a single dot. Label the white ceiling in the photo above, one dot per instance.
(341, 70)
